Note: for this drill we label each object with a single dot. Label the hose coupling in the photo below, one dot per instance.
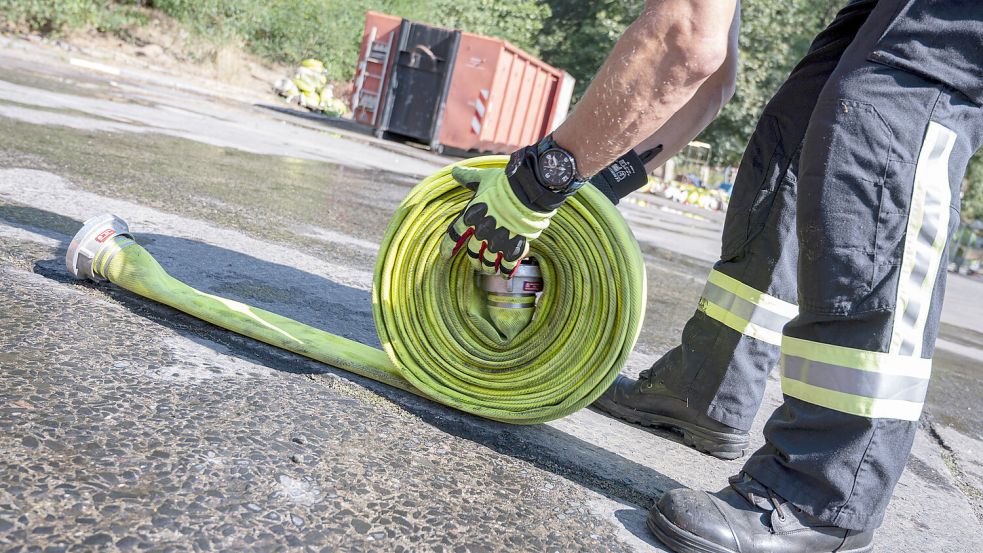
(97, 240)
(518, 292)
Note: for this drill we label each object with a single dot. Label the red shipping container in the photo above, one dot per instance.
(499, 99)
(375, 59)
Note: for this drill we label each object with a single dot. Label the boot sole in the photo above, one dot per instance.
(717, 444)
(681, 541)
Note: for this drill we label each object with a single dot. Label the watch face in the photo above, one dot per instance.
(556, 168)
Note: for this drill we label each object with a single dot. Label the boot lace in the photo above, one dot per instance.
(777, 503)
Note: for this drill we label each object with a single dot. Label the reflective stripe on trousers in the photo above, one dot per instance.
(925, 240)
(864, 383)
(744, 309)
(894, 384)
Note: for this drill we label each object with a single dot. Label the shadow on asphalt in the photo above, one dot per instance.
(635, 520)
(543, 446)
(341, 123)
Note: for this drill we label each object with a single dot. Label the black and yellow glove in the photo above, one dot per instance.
(495, 227)
(513, 206)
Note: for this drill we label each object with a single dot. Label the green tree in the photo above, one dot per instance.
(972, 200)
(331, 30)
(774, 36)
(578, 35)
(518, 21)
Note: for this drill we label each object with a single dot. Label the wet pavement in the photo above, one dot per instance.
(124, 424)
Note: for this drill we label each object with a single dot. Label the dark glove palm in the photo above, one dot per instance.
(495, 227)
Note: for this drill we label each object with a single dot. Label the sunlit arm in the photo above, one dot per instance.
(702, 108)
(657, 66)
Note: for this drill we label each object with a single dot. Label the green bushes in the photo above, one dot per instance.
(286, 31)
(56, 16)
(290, 30)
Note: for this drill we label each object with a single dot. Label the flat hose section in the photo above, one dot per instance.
(437, 336)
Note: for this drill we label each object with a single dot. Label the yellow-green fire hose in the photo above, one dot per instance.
(441, 338)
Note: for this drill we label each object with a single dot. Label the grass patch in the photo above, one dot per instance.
(58, 16)
(285, 31)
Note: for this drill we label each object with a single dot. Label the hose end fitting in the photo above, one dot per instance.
(95, 236)
(524, 284)
(511, 303)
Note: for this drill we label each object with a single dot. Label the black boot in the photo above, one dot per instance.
(648, 403)
(746, 517)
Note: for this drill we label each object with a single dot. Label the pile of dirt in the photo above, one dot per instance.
(164, 44)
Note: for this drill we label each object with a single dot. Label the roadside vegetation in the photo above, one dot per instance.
(572, 34)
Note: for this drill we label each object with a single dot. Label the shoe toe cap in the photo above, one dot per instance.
(616, 392)
(696, 513)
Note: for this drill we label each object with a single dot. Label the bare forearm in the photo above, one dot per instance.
(656, 67)
(701, 109)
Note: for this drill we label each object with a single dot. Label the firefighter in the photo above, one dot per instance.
(832, 263)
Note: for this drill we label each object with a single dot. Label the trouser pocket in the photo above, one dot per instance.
(840, 190)
(937, 40)
(758, 177)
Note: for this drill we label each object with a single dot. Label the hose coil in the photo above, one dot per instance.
(586, 320)
(441, 338)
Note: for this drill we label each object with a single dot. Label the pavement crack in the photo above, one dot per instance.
(951, 460)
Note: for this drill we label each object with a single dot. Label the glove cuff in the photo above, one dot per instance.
(625, 175)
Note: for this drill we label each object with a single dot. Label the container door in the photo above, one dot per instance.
(421, 79)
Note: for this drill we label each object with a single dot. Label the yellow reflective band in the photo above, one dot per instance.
(925, 238)
(743, 291)
(739, 324)
(875, 361)
(851, 404)
(744, 309)
(891, 377)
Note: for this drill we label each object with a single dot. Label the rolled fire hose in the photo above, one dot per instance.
(523, 351)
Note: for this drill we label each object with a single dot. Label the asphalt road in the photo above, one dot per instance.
(124, 424)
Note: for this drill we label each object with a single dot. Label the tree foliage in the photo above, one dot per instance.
(578, 35)
(52, 17)
(575, 35)
(774, 36)
(972, 199)
(331, 30)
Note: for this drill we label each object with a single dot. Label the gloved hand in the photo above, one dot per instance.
(495, 227)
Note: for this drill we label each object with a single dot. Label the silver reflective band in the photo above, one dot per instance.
(925, 239)
(744, 309)
(864, 383)
(854, 381)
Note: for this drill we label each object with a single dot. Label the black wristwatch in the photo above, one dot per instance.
(543, 175)
(556, 166)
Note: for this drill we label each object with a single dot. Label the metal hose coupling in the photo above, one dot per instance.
(95, 245)
(516, 292)
(512, 303)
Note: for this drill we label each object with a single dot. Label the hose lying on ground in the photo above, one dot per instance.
(441, 339)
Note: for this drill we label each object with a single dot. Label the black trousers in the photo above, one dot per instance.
(832, 262)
